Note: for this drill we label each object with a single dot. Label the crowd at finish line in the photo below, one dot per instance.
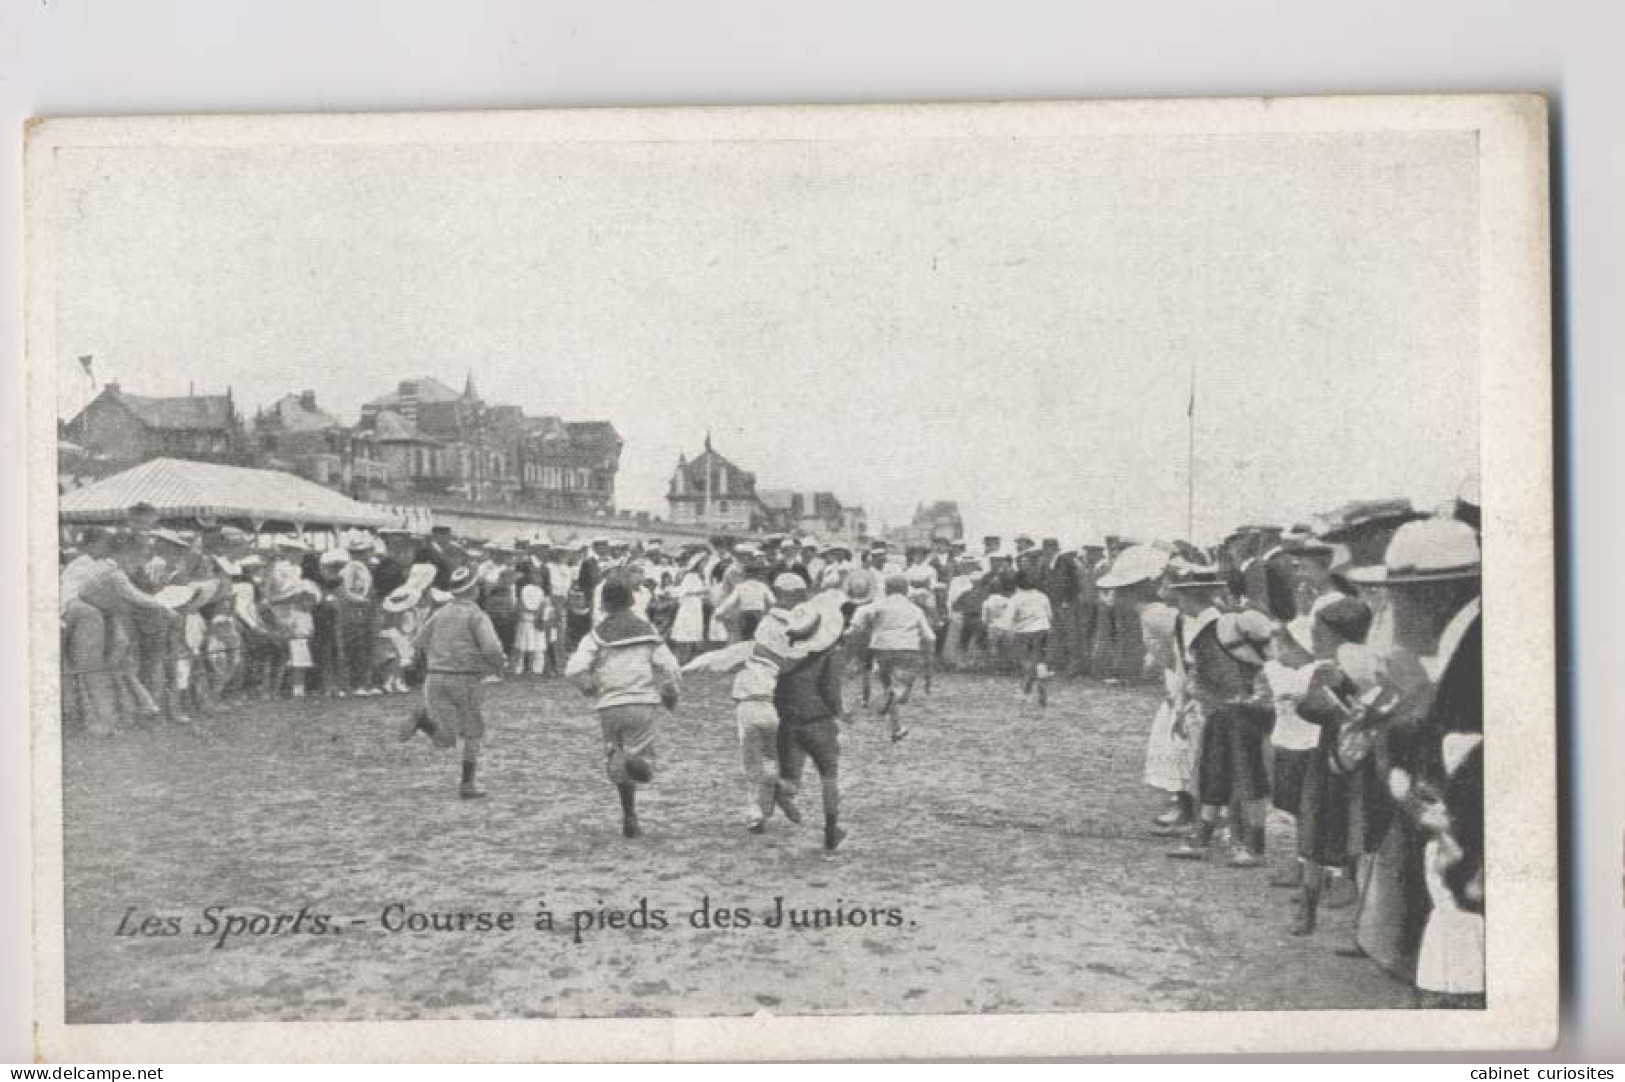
(1333, 673)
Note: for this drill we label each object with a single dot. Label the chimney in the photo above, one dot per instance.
(112, 387)
(307, 399)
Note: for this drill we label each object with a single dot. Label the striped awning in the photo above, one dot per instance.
(177, 488)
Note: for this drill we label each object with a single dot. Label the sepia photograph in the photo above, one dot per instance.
(794, 570)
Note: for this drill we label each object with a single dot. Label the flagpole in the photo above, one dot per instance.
(1190, 460)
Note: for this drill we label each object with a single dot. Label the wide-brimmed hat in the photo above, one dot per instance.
(171, 537)
(461, 580)
(358, 542)
(1301, 547)
(289, 544)
(402, 599)
(175, 595)
(1427, 550)
(1361, 516)
(421, 576)
(787, 582)
(228, 566)
(1138, 563)
(333, 558)
(250, 562)
(1185, 575)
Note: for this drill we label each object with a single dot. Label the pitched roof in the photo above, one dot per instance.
(730, 479)
(390, 427)
(423, 389)
(178, 488)
(190, 412)
(295, 416)
(593, 433)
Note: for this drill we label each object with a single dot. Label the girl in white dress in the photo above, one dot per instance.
(688, 628)
(301, 626)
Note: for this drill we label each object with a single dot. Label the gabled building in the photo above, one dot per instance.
(817, 513)
(297, 435)
(439, 442)
(124, 428)
(939, 520)
(710, 491)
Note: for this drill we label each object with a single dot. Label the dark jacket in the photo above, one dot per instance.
(811, 691)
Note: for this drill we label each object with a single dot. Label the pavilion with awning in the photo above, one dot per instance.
(184, 492)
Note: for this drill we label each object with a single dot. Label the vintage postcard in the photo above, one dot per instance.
(793, 583)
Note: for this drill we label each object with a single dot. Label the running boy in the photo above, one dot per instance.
(901, 637)
(1030, 620)
(627, 666)
(461, 647)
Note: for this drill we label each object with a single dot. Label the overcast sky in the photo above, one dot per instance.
(1011, 325)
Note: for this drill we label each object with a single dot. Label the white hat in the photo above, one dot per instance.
(1138, 563)
(787, 582)
(832, 579)
(421, 577)
(333, 558)
(1427, 550)
(174, 596)
(172, 537)
(230, 567)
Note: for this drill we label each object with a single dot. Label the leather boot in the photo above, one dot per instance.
(468, 790)
(1305, 924)
(1196, 843)
(629, 811)
(833, 834)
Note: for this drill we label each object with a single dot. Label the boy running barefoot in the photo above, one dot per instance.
(901, 637)
(627, 666)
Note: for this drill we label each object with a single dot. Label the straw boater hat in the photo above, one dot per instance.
(171, 537)
(358, 542)
(1138, 563)
(401, 600)
(1427, 550)
(334, 558)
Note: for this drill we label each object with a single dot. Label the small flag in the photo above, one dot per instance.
(86, 362)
